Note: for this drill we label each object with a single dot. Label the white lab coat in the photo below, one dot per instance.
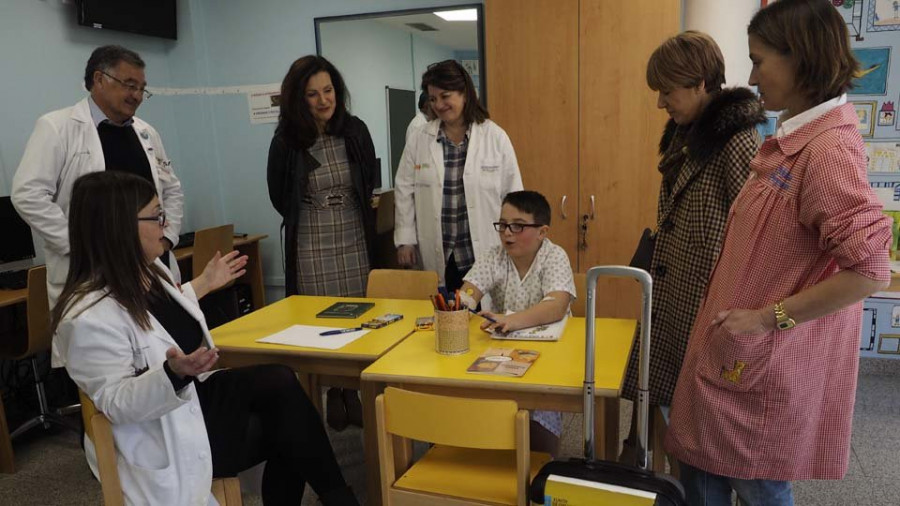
(162, 449)
(64, 146)
(491, 171)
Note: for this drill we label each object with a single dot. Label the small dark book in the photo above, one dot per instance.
(346, 310)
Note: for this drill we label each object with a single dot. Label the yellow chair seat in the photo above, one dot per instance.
(482, 475)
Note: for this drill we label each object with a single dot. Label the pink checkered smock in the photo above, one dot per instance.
(805, 213)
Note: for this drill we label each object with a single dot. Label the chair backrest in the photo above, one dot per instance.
(37, 309)
(98, 428)
(207, 242)
(384, 216)
(401, 284)
(450, 421)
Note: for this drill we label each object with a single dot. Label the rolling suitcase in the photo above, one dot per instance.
(586, 481)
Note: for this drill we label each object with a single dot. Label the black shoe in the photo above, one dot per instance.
(354, 407)
(335, 411)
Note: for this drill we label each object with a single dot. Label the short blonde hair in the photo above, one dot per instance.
(686, 60)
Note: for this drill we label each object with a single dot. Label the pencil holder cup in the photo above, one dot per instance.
(451, 332)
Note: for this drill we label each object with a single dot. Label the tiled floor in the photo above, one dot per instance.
(52, 468)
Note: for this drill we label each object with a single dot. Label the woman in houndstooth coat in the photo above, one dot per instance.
(705, 151)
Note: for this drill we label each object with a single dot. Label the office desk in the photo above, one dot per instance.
(237, 346)
(11, 297)
(554, 382)
(254, 277)
(8, 298)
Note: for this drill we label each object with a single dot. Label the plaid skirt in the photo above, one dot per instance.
(332, 259)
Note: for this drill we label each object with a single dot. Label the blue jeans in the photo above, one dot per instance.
(707, 489)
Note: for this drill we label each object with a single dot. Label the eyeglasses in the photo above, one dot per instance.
(133, 88)
(159, 218)
(515, 228)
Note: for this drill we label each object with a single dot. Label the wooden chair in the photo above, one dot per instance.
(207, 242)
(98, 428)
(401, 284)
(481, 453)
(36, 339)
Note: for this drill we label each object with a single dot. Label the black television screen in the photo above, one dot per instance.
(17, 242)
(147, 17)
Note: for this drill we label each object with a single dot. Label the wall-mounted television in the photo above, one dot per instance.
(156, 18)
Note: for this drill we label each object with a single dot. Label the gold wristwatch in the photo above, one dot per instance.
(782, 320)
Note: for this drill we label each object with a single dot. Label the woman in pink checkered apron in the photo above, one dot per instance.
(766, 392)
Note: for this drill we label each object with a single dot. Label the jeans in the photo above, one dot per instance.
(707, 489)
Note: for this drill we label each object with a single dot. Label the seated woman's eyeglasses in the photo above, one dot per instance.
(515, 228)
(159, 218)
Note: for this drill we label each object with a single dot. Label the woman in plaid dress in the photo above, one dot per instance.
(768, 383)
(705, 151)
(321, 174)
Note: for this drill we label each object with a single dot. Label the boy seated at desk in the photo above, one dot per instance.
(530, 276)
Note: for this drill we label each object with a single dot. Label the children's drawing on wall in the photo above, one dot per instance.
(874, 63)
(895, 316)
(887, 114)
(883, 156)
(884, 15)
(851, 11)
(864, 113)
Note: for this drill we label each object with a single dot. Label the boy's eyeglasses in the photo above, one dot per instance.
(159, 218)
(515, 228)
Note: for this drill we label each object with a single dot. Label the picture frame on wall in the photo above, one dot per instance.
(865, 113)
(874, 63)
(887, 115)
(883, 16)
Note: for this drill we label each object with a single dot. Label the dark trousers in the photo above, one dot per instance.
(453, 275)
(261, 413)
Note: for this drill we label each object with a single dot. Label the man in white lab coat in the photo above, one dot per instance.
(98, 133)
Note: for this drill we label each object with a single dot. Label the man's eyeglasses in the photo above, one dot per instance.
(515, 228)
(159, 218)
(133, 88)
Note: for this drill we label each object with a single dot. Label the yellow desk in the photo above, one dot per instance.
(554, 382)
(236, 341)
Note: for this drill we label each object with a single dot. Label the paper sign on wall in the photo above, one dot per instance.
(265, 104)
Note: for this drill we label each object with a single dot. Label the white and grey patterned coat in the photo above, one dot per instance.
(704, 165)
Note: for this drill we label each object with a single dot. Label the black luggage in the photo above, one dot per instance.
(583, 476)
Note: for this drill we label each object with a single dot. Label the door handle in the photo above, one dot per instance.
(562, 207)
(592, 206)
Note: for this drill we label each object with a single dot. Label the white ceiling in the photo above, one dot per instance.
(457, 35)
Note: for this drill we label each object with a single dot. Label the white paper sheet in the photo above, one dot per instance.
(308, 335)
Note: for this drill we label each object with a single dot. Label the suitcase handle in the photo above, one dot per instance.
(642, 276)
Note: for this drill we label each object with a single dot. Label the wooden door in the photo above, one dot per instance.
(619, 130)
(531, 49)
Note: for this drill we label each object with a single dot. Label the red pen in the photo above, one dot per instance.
(441, 302)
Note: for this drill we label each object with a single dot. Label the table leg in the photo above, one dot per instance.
(7, 465)
(606, 428)
(369, 391)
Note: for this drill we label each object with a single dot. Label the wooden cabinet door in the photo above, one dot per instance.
(619, 129)
(531, 51)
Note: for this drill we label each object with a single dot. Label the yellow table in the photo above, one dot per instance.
(236, 341)
(554, 382)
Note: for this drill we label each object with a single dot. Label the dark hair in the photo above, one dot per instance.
(450, 75)
(530, 202)
(296, 124)
(685, 60)
(105, 245)
(106, 57)
(814, 36)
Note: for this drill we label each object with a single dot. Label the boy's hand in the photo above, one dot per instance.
(503, 325)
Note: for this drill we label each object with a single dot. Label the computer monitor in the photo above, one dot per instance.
(17, 246)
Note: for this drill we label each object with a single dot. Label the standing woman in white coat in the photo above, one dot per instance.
(138, 346)
(452, 178)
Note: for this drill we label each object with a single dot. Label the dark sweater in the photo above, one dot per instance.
(122, 150)
(183, 328)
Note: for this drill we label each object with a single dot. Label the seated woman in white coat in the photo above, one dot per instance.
(138, 346)
(452, 177)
